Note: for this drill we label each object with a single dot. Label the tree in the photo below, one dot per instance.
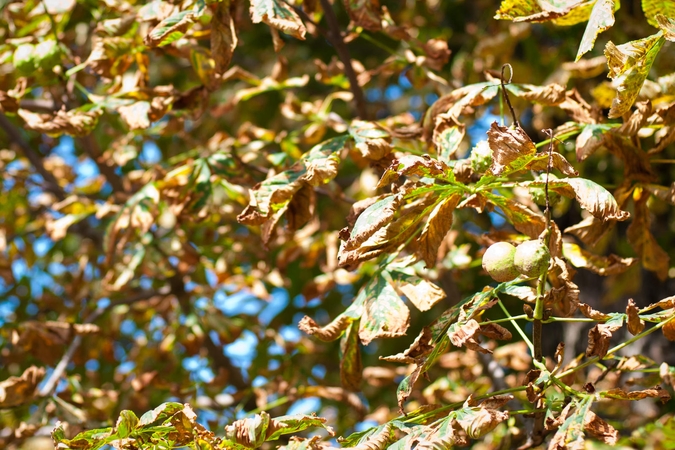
(206, 202)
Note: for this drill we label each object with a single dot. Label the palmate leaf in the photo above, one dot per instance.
(629, 65)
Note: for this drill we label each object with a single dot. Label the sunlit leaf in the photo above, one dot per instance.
(170, 29)
(602, 18)
(279, 15)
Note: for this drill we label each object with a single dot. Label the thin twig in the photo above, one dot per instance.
(335, 36)
(506, 94)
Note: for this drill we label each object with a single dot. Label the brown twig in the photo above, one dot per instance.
(506, 94)
(335, 37)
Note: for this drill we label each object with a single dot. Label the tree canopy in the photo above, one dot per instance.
(326, 224)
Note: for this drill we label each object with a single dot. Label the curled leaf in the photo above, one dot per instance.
(328, 333)
(279, 15)
(15, 391)
(635, 324)
(508, 144)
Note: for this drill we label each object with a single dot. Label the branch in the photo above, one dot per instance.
(335, 37)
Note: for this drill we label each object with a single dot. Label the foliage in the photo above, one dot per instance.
(204, 202)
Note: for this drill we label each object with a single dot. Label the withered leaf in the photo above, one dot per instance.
(15, 391)
(371, 140)
(599, 428)
(223, 35)
(550, 95)
(590, 140)
(651, 254)
(422, 293)
(495, 331)
(384, 313)
(635, 324)
(351, 366)
(629, 65)
(668, 330)
(591, 313)
(447, 137)
(421, 346)
(508, 144)
(438, 225)
(621, 394)
(365, 13)
(601, 265)
(279, 15)
(637, 120)
(73, 122)
(170, 29)
(599, 337)
(414, 165)
(110, 56)
(330, 332)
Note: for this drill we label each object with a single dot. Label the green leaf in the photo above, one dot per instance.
(384, 313)
(571, 432)
(448, 135)
(652, 8)
(629, 65)
(279, 15)
(602, 18)
(590, 139)
(170, 29)
(292, 424)
(160, 414)
(351, 367)
(126, 424)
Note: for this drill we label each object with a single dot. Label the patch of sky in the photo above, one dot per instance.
(128, 327)
(497, 218)
(273, 364)
(430, 98)
(42, 245)
(211, 277)
(125, 367)
(319, 371)
(7, 308)
(275, 349)
(416, 101)
(393, 92)
(403, 81)
(481, 125)
(238, 303)
(373, 94)
(290, 333)
(145, 282)
(259, 381)
(150, 154)
(472, 228)
(56, 268)
(65, 149)
(299, 301)
(417, 115)
(305, 406)
(92, 365)
(365, 425)
(85, 171)
(201, 303)
(32, 309)
(103, 303)
(313, 303)
(278, 302)
(242, 351)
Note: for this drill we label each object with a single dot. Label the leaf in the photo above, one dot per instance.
(602, 18)
(283, 425)
(652, 256)
(422, 293)
(421, 346)
(667, 26)
(521, 217)
(74, 122)
(170, 29)
(279, 15)
(330, 332)
(110, 56)
(384, 315)
(136, 115)
(316, 167)
(126, 423)
(372, 141)
(438, 225)
(378, 440)
(629, 65)
(600, 335)
(635, 324)
(570, 435)
(415, 165)
(621, 394)
(550, 95)
(601, 265)
(223, 35)
(16, 391)
(448, 135)
(591, 196)
(590, 140)
(653, 8)
(365, 13)
(351, 366)
(478, 421)
(508, 145)
(561, 12)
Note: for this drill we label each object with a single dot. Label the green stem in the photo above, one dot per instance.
(568, 319)
(506, 319)
(517, 327)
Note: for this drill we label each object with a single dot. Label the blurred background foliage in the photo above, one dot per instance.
(128, 150)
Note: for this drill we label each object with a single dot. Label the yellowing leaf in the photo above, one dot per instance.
(629, 65)
(602, 18)
(621, 394)
(384, 313)
(508, 144)
(372, 141)
(550, 95)
(653, 8)
(170, 29)
(448, 135)
(635, 324)
(279, 15)
(438, 225)
(602, 265)
(351, 367)
(651, 254)
(422, 293)
(223, 35)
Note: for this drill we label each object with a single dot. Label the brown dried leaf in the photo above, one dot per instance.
(74, 123)
(549, 95)
(421, 293)
(15, 391)
(524, 219)
(508, 145)
(365, 13)
(591, 313)
(621, 394)
(578, 109)
(412, 165)
(637, 119)
(438, 53)
(481, 421)
(596, 426)
(495, 331)
(668, 330)
(8, 104)
(434, 231)
(601, 265)
(110, 56)
(589, 141)
(378, 441)
(328, 333)
(598, 339)
(651, 254)
(421, 346)
(223, 35)
(635, 324)
(447, 136)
